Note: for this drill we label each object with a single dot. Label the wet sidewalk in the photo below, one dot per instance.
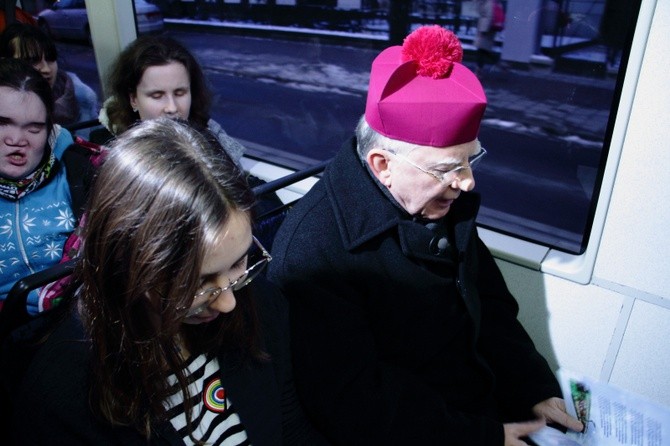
(540, 101)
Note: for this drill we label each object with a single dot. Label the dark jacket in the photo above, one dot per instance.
(52, 406)
(392, 343)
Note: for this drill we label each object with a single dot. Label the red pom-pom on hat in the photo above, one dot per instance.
(434, 49)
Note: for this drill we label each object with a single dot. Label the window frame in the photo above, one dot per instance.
(579, 268)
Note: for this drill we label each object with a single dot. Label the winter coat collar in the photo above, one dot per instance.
(362, 211)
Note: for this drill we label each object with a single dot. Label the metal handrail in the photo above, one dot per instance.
(284, 181)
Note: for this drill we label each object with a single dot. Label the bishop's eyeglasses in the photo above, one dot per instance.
(448, 176)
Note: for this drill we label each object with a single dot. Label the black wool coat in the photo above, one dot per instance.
(52, 399)
(393, 343)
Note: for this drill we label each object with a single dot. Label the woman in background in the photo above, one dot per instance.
(156, 76)
(73, 100)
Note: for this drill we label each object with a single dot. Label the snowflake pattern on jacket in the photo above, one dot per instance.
(34, 228)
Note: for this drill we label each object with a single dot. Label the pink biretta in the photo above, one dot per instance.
(422, 94)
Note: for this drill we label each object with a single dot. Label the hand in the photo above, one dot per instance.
(553, 411)
(514, 431)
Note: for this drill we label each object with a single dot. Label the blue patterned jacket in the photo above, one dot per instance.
(34, 229)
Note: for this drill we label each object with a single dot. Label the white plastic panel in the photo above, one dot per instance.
(635, 248)
(572, 325)
(643, 362)
(513, 250)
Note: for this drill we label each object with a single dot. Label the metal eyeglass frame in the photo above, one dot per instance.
(245, 278)
(444, 177)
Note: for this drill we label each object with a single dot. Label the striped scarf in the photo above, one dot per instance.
(16, 189)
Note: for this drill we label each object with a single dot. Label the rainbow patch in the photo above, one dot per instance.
(214, 396)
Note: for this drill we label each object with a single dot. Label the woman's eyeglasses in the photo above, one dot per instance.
(257, 256)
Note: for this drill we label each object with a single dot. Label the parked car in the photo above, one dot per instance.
(67, 19)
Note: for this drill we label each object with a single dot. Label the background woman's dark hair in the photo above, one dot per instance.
(28, 42)
(159, 201)
(19, 75)
(150, 51)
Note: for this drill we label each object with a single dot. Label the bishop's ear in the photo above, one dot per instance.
(379, 163)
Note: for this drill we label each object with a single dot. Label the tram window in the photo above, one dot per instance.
(289, 80)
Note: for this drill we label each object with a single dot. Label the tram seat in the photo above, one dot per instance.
(268, 220)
